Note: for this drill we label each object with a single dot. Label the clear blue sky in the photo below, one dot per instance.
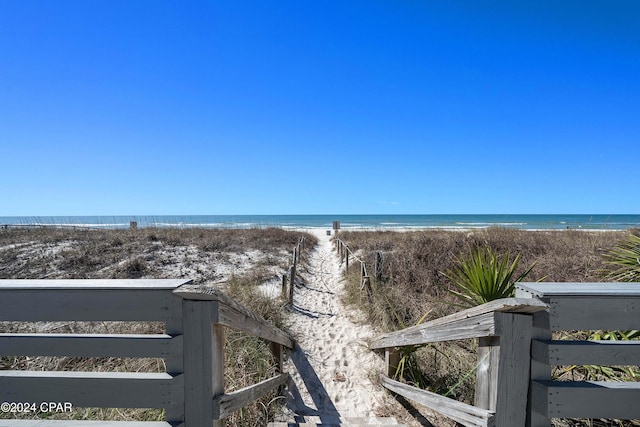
(257, 107)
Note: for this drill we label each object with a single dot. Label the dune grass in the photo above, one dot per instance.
(414, 282)
(238, 261)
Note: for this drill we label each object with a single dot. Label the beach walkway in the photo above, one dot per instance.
(331, 367)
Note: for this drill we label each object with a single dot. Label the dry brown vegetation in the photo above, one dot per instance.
(412, 284)
(243, 259)
(203, 255)
(413, 263)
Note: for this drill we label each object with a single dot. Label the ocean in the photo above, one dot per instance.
(348, 222)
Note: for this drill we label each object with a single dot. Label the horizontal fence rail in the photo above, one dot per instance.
(191, 390)
(516, 353)
(344, 252)
(582, 307)
(504, 329)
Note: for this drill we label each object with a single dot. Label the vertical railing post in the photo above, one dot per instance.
(175, 360)
(203, 362)
(378, 266)
(487, 372)
(292, 282)
(511, 388)
(284, 287)
(278, 356)
(366, 284)
(347, 258)
(392, 358)
(540, 371)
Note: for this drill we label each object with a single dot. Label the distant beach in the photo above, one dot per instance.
(349, 222)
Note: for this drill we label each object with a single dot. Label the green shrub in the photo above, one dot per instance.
(484, 276)
(624, 260)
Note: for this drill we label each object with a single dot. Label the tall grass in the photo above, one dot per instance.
(412, 282)
(623, 261)
(244, 259)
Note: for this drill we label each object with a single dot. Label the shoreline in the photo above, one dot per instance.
(371, 222)
(408, 228)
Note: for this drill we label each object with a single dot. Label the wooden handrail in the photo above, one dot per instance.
(582, 307)
(504, 328)
(474, 322)
(233, 315)
(343, 251)
(192, 388)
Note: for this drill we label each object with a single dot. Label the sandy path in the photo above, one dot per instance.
(333, 366)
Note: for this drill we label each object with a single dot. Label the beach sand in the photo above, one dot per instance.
(333, 371)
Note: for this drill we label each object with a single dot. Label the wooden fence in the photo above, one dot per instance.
(293, 271)
(516, 352)
(344, 252)
(502, 376)
(191, 390)
(582, 307)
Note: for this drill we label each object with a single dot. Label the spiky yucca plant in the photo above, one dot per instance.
(624, 260)
(483, 276)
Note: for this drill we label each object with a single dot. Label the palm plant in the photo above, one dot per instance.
(483, 276)
(624, 260)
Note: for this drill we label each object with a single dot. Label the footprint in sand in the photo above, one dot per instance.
(331, 344)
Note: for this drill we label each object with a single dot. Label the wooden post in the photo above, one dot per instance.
(514, 366)
(378, 266)
(363, 271)
(391, 361)
(346, 252)
(284, 286)
(541, 331)
(292, 282)
(487, 373)
(133, 225)
(175, 360)
(203, 362)
(539, 371)
(366, 283)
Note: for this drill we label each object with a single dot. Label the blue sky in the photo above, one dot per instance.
(302, 107)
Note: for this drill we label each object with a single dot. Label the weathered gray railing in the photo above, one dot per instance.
(192, 388)
(582, 307)
(504, 327)
(516, 354)
(344, 251)
(288, 294)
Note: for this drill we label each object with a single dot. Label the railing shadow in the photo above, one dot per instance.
(324, 407)
(310, 313)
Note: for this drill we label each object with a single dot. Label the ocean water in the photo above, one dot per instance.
(348, 222)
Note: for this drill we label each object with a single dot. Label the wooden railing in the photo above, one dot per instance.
(582, 307)
(504, 327)
(516, 353)
(344, 252)
(191, 390)
(293, 271)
